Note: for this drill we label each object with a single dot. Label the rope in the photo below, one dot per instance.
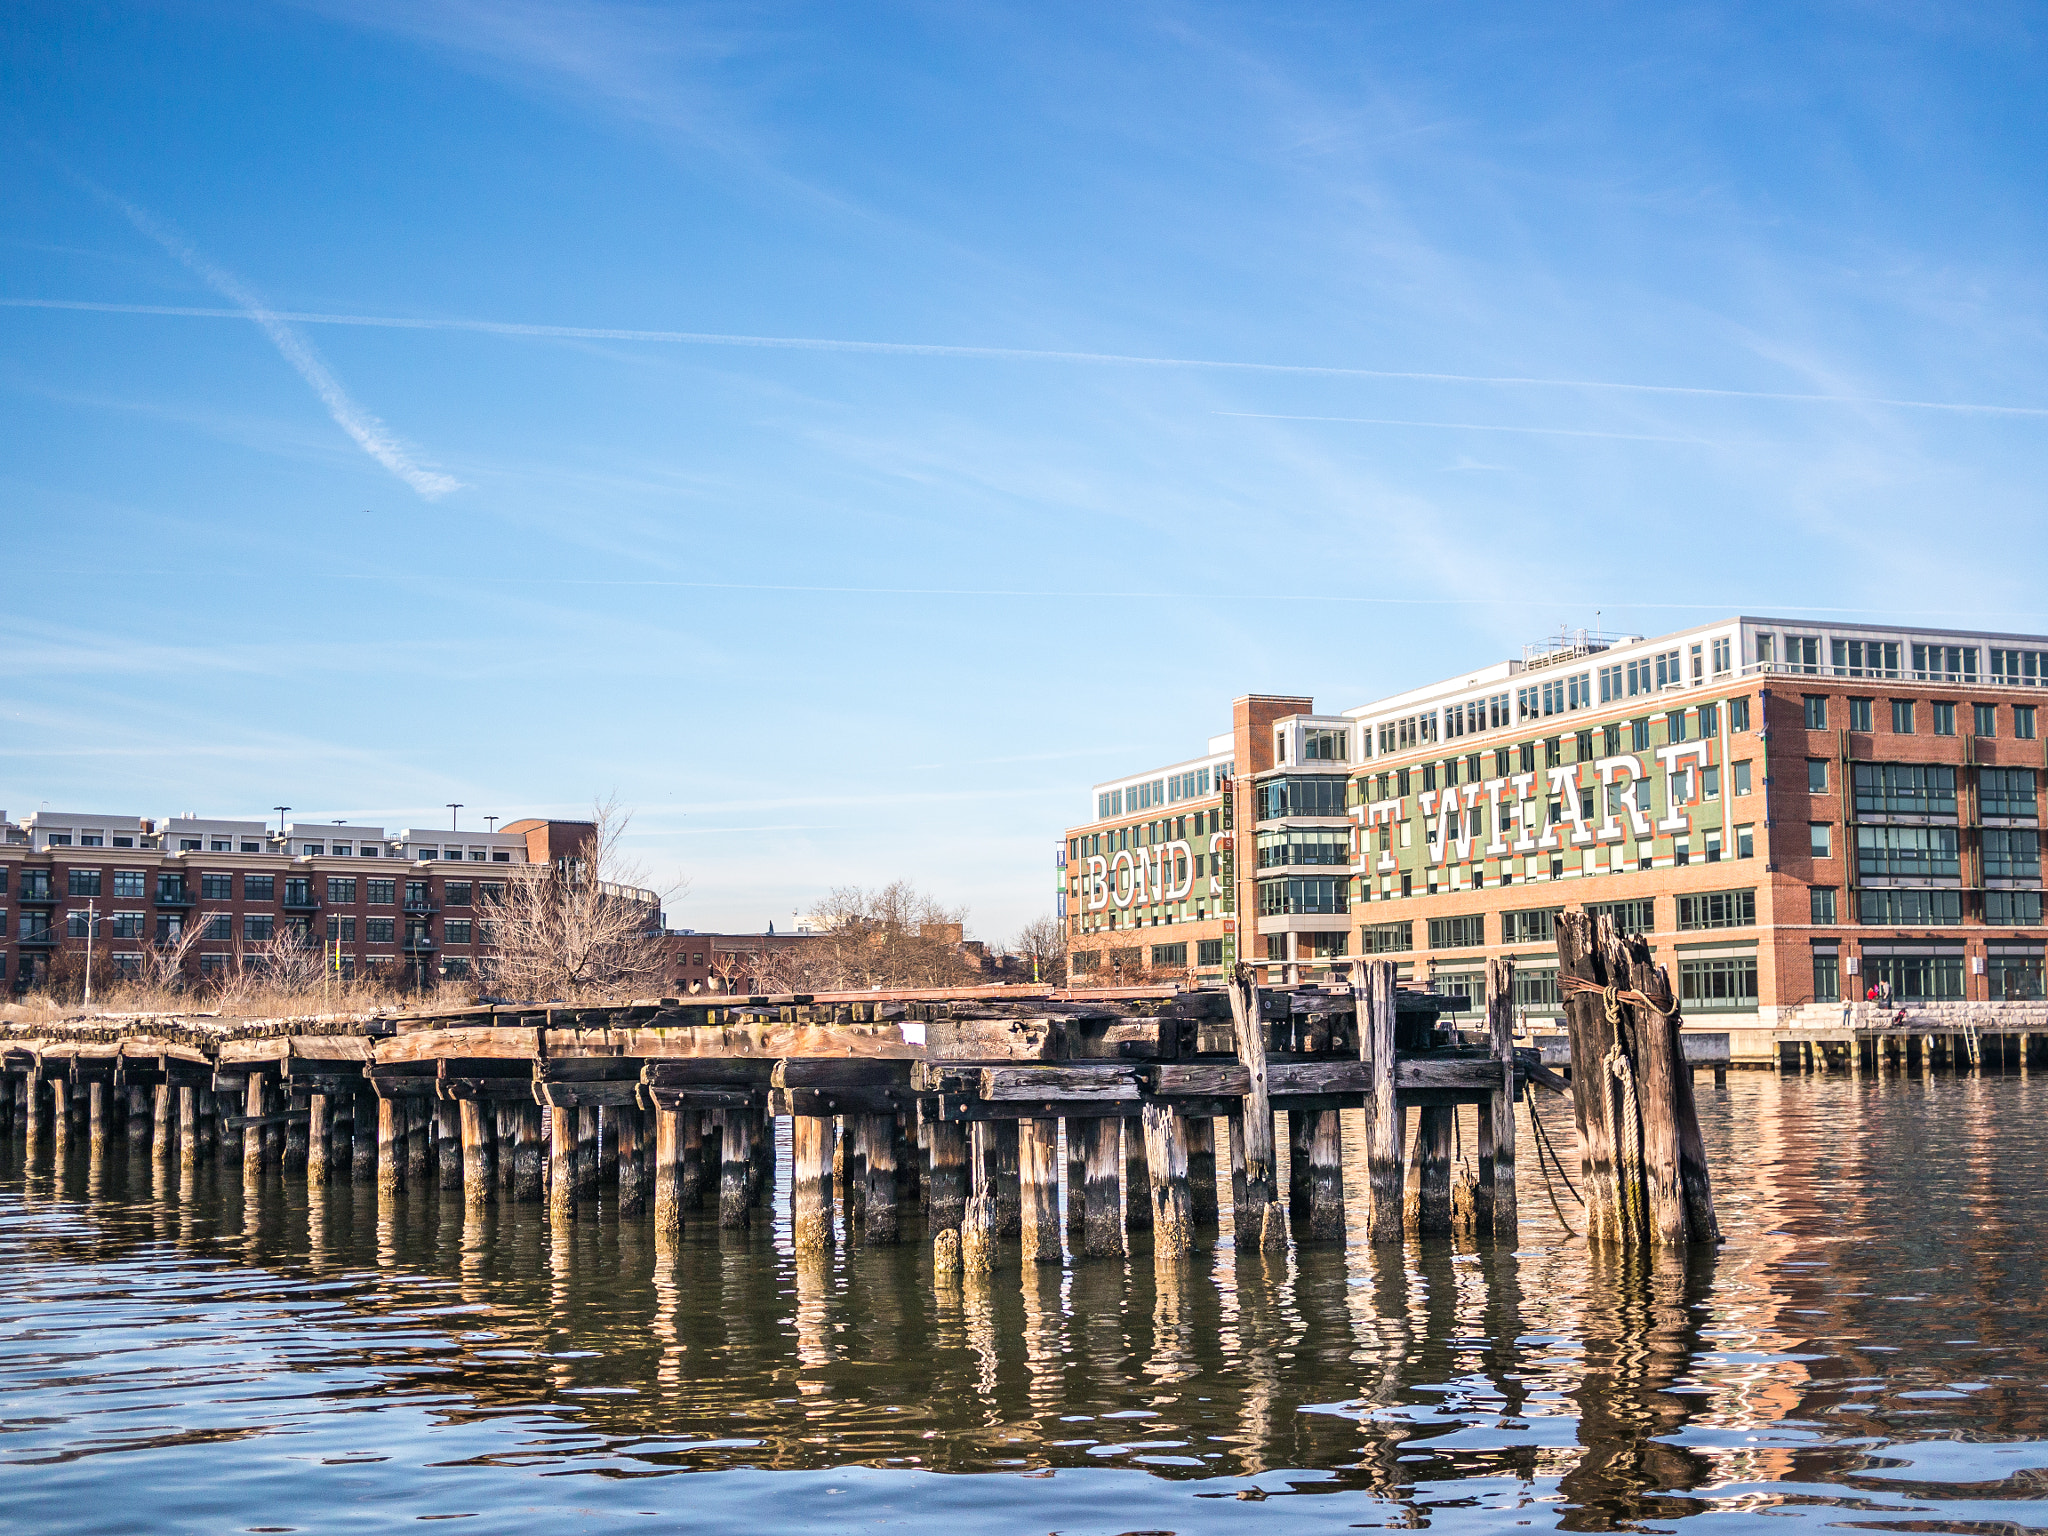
(1614, 997)
(1543, 1144)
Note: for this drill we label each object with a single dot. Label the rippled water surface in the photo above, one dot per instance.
(1866, 1351)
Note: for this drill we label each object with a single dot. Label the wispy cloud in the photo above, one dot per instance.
(1020, 354)
(370, 434)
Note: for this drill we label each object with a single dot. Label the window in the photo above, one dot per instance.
(1821, 835)
(2023, 721)
(129, 925)
(1904, 907)
(2019, 669)
(1553, 751)
(1902, 717)
(1827, 976)
(1944, 719)
(86, 882)
(259, 887)
(1717, 909)
(1538, 925)
(1316, 746)
(1304, 894)
(1802, 653)
(219, 927)
(1712, 984)
(2012, 853)
(1865, 658)
(341, 929)
(1859, 714)
(1583, 742)
(2006, 792)
(216, 887)
(1386, 938)
(1984, 719)
(1740, 773)
(128, 882)
(1721, 650)
(1738, 714)
(382, 892)
(258, 926)
(1294, 845)
(1457, 932)
(1300, 797)
(1325, 946)
(1816, 711)
(1208, 952)
(1904, 789)
(1637, 916)
(2013, 908)
(378, 930)
(1674, 725)
(1945, 663)
(2013, 975)
(1917, 978)
(1536, 991)
(1710, 720)
(1816, 775)
(1745, 840)
(456, 893)
(1821, 904)
(342, 890)
(492, 892)
(456, 931)
(77, 925)
(1907, 853)
(298, 892)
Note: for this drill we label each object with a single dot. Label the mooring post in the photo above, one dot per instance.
(1201, 1134)
(392, 1124)
(978, 1222)
(1038, 1171)
(561, 1164)
(1594, 1047)
(1254, 1224)
(1137, 1180)
(1373, 997)
(1498, 1211)
(163, 1121)
(946, 1196)
(319, 1128)
(479, 1153)
(632, 1165)
(33, 1130)
(668, 1174)
(1324, 1157)
(810, 1182)
(877, 1137)
(736, 1166)
(1166, 1164)
(96, 1120)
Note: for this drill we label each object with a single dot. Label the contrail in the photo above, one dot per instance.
(371, 435)
(1018, 354)
(1462, 426)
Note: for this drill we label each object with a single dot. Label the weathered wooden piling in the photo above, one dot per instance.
(810, 1184)
(1166, 1165)
(1077, 1179)
(978, 1221)
(479, 1172)
(877, 1139)
(668, 1173)
(631, 1167)
(1436, 1125)
(1299, 1123)
(1038, 1172)
(1324, 1157)
(1102, 1231)
(561, 1164)
(188, 1127)
(1201, 1134)
(255, 1106)
(96, 1120)
(690, 1177)
(136, 1115)
(1496, 1205)
(529, 1155)
(362, 1167)
(947, 1199)
(393, 1121)
(1137, 1178)
(1386, 1132)
(1009, 1196)
(1254, 1224)
(736, 1163)
(319, 1131)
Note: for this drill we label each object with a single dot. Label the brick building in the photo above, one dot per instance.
(1792, 813)
(410, 903)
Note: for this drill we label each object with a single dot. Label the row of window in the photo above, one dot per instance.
(1538, 925)
(1882, 658)
(1586, 746)
(1935, 853)
(1144, 834)
(1906, 716)
(1143, 796)
(1929, 978)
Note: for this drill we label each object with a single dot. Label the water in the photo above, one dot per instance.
(1866, 1351)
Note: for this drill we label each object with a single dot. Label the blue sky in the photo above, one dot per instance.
(1162, 353)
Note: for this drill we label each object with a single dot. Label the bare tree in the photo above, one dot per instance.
(163, 963)
(894, 936)
(1042, 943)
(583, 926)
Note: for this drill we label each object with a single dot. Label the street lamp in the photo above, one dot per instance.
(453, 807)
(280, 809)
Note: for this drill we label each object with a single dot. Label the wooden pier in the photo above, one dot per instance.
(943, 1116)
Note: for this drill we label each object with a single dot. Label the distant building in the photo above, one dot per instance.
(1793, 813)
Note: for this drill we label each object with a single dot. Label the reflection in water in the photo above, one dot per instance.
(1871, 1336)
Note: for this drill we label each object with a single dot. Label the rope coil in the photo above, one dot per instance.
(1612, 997)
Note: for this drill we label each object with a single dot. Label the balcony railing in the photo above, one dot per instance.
(418, 944)
(44, 939)
(178, 898)
(422, 907)
(37, 896)
(301, 903)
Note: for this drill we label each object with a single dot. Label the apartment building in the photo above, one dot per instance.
(1792, 813)
(411, 902)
